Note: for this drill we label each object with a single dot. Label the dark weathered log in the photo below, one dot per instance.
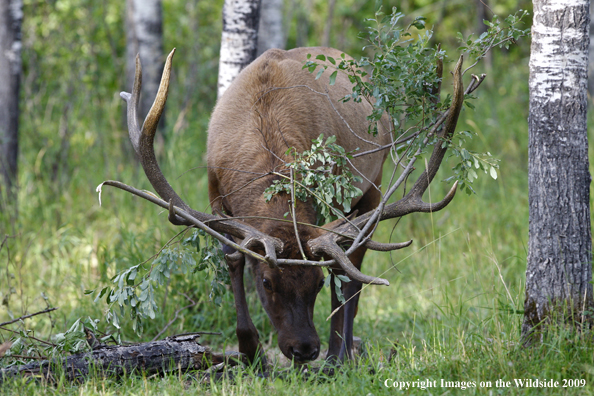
(179, 353)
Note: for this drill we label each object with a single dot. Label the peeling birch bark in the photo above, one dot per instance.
(239, 41)
(559, 266)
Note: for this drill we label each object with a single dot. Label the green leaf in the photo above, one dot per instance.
(333, 77)
(493, 173)
(343, 278)
(319, 74)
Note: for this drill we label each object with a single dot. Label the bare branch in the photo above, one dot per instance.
(28, 316)
(293, 215)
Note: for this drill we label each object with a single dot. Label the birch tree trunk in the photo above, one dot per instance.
(591, 57)
(144, 36)
(11, 17)
(239, 42)
(559, 265)
(270, 32)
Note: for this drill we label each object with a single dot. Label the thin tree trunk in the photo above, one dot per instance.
(11, 17)
(304, 9)
(481, 16)
(559, 265)
(270, 32)
(239, 41)
(144, 36)
(328, 27)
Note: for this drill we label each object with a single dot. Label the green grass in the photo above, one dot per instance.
(452, 312)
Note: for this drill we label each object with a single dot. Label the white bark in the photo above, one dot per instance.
(271, 33)
(239, 41)
(591, 56)
(559, 266)
(11, 17)
(144, 36)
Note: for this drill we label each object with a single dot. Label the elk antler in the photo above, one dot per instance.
(356, 231)
(179, 212)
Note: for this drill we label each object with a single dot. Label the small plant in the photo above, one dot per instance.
(135, 293)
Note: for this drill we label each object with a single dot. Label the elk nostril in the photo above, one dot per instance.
(306, 353)
(314, 354)
(296, 353)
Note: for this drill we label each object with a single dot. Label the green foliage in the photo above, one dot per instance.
(138, 295)
(469, 162)
(337, 280)
(401, 81)
(321, 174)
(498, 34)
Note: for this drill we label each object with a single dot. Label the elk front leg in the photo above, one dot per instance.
(341, 337)
(247, 335)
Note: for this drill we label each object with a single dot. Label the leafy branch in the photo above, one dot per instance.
(321, 174)
(402, 81)
(138, 296)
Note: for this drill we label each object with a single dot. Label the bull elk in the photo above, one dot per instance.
(272, 105)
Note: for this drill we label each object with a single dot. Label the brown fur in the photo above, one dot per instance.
(264, 112)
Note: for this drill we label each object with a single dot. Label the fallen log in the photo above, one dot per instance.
(178, 353)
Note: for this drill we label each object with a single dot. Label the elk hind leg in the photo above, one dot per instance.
(351, 292)
(336, 323)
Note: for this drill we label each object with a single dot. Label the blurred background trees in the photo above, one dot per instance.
(144, 36)
(11, 17)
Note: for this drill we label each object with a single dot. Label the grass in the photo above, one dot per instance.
(452, 312)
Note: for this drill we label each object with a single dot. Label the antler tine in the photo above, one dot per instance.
(142, 141)
(450, 126)
(320, 246)
(386, 247)
(133, 100)
(269, 249)
(412, 202)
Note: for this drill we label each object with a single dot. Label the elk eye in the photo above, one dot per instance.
(321, 285)
(267, 284)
